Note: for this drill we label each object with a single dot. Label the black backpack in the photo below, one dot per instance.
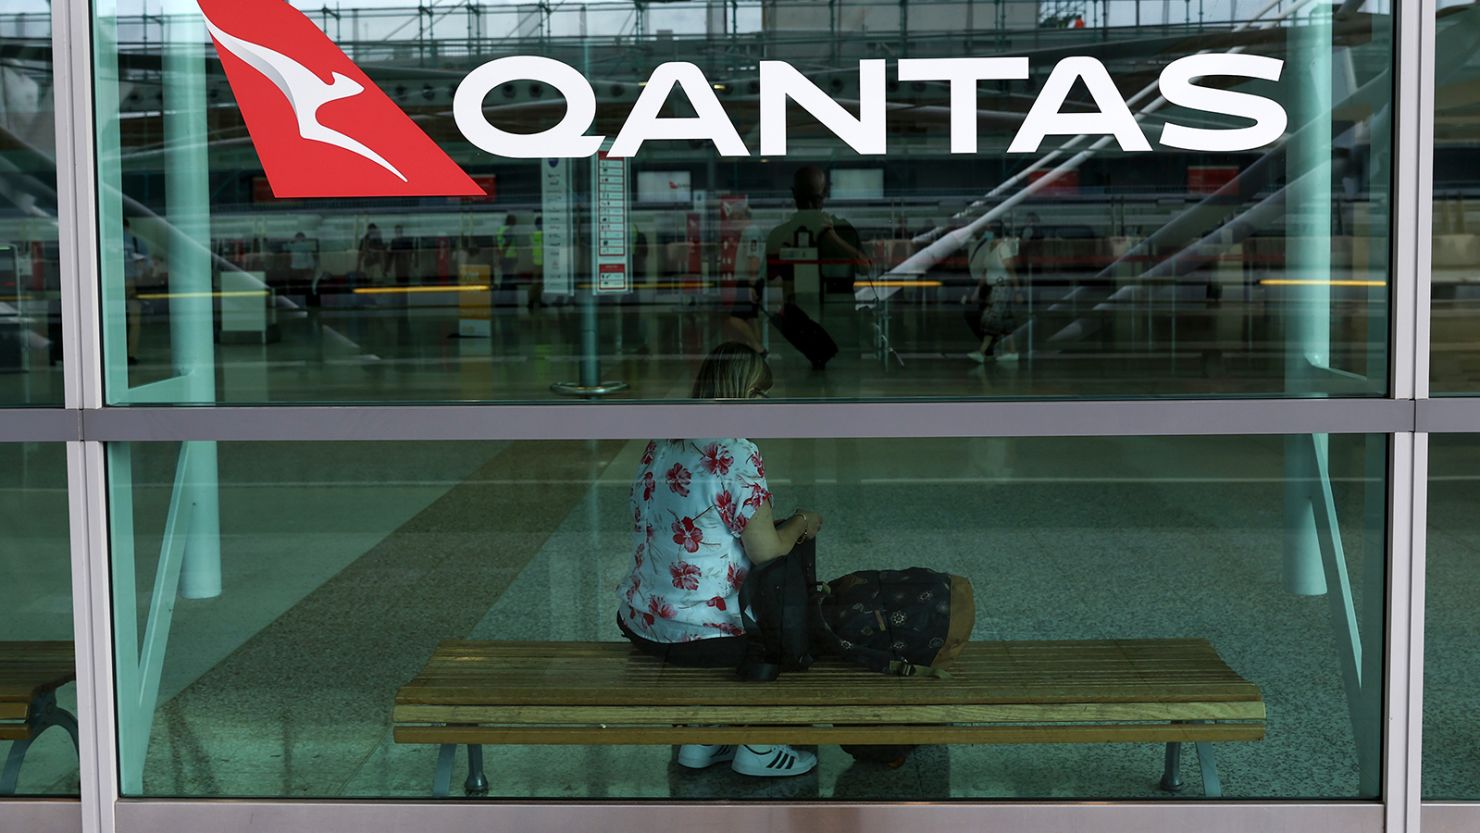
(777, 601)
(903, 622)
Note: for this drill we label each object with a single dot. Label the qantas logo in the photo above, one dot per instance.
(305, 92)
(301, 124)
(303, 100)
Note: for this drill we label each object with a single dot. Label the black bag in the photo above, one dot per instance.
(805, 334)
(776, 604)
(903, 622)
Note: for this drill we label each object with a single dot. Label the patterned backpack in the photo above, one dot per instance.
(903, 622)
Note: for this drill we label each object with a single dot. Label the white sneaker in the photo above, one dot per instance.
(773, 761)
(701, 755)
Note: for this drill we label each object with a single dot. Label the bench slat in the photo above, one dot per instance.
(533, 674)
(16, 710)
(1020, 713)
(29, 669)
(874, 734)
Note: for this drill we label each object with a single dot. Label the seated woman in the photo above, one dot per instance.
(701, 517)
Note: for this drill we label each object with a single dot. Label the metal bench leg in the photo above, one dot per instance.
(477, 783)
(13, 763)
(44, 714)
(1212, 787)
(68, 724)
(1171, 775)
(442, 783)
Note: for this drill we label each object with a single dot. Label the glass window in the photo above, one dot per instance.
(30, 285)
(38, 691)
(314, 582)
(368, 243)
(1451, 643)
(1456, 305)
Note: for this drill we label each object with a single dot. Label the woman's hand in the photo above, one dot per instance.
(811, 523)
(764, 539)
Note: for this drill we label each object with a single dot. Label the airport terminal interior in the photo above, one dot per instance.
(1063, 274)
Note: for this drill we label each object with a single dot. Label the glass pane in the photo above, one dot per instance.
(1456, 305)
(312, 582)
(38, 692)
(30, 284)
(1451, 643)
(376, 246)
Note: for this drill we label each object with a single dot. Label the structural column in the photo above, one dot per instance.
(192, 302)
(1307, 306)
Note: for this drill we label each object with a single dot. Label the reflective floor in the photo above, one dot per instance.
(412, 353)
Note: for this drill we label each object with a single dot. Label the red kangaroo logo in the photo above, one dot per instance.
(320, 126)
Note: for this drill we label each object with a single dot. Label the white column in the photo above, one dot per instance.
(192, 306)
(1307, 308)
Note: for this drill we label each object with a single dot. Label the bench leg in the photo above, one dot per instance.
(44, 714)
(13, 763)
(1212, 786)
(1171, 775)
(477, 783)
(442, 783)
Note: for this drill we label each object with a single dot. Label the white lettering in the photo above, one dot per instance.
(1045, 118)
(566, 139)
(963, 73)
(1177, 87)
(711, 122)
(865, 134)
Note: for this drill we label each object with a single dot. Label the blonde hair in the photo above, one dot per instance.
(732, 371)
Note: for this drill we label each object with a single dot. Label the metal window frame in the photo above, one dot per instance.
(43, 815)
(1108, 418)
(1407, 415)
(643, 817)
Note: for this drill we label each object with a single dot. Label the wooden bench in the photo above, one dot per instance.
(1170, 691)
(30, 674)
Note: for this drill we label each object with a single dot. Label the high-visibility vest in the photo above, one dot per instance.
(537, 246)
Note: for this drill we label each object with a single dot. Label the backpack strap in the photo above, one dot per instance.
(909, 669)
(755, 667)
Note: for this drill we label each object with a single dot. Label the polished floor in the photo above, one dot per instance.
(404, 349)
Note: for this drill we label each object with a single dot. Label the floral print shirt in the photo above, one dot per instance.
(691, 499)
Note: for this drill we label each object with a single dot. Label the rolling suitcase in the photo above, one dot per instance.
(806, 335)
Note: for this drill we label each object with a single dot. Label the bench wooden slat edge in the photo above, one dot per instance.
(15, 710)
(921, 693)
(808, 715)
(875, 734)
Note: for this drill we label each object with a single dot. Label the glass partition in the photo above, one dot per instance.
(800, 177)
(274, 606)
(1456, 248)
(30, 285)
(1451, 643)
(38, 693)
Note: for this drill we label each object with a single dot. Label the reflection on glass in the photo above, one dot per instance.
(339, 568)
(38, 694)
(30, 303)
(1456, 249)
(1451, 642)
(1076, 268)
